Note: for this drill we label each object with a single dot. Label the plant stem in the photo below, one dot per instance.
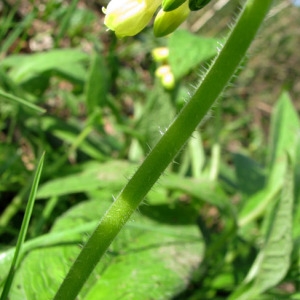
(210, 88)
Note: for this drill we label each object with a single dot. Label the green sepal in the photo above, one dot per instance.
(169, 5)
(197, 4)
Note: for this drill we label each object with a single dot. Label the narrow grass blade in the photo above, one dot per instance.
(6, 22)
(17, 31)
(66, 21)
(21, 101)
(24, 227)
(97, 84)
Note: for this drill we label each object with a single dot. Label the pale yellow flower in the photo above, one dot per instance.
(129, 17)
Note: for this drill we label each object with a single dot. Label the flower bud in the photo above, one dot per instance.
(162, 71)
(167, 22)
(160, 54)
(129, 17)
(197, 4)
(169, 5)
(167, 79)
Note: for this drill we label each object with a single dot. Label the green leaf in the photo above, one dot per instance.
(50, 239)
(72, 133)
(65, 20)
(202, 189)
(21, 101)
(276, 253)
(284, 135)
(97, 84)
(16, 32)
(94, 176)
(296, 226)
(168, 254)
(25, 67)
(273, 261)
(249, 174)
(199, 49)
(258, 203)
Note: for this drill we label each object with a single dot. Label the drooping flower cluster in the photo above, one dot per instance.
(129, 17)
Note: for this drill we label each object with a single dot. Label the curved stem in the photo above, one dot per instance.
(210, 88)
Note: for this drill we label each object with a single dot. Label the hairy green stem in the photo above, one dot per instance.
(210, 88)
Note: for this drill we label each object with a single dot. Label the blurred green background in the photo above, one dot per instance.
(105, 110)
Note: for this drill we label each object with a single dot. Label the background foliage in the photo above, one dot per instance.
(223, 222)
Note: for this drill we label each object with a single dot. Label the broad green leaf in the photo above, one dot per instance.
(24, 67)
(257, 204)
(50, 256)
(170, 214)
(249, 174)
(277, 251)
(284, 135)
(94, 176)
(147, 258)
(151, 270)
(199, 49)
(273, 261)
(202, 189)
(51, 239)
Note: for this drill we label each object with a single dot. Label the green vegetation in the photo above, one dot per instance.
(215, 216)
